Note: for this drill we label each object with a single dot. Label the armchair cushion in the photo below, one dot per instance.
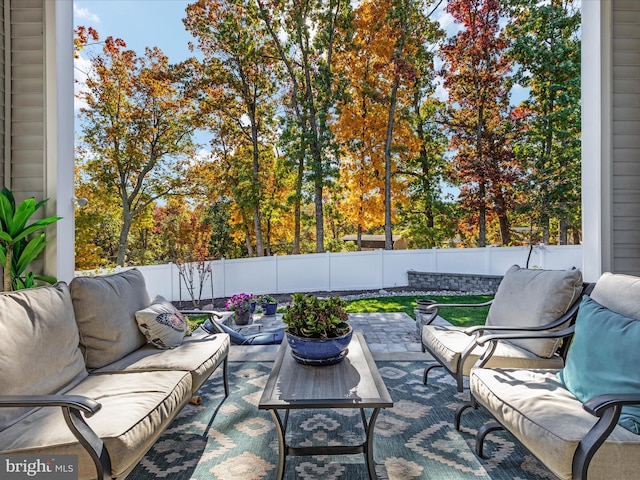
(618, 292)
(604, 358)
(448, 342)
(528, 298)
(105, 308)
(550, 422)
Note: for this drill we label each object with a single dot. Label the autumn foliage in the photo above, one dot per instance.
(332, 118)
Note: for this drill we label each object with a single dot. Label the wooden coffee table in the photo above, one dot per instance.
(353, 383)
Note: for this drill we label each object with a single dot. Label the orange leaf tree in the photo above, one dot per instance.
(135, 127)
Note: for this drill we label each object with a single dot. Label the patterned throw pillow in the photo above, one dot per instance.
(162, 325)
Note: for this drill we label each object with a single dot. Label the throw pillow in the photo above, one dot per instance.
(604, 357)
(162, 325)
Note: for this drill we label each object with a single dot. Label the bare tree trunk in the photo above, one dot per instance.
(124, 235)
(297, 208)
(482, 215)
(562, 233)
(482, 193)
(388, 229)
(256, 183)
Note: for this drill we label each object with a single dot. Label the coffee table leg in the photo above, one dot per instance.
(371, 466)
(282, 446)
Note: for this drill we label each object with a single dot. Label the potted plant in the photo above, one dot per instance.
(240, 303)
(269, 304)
(317, 329)
(19, 243)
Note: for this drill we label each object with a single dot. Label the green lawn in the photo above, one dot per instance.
(464, 317)
(457, 316)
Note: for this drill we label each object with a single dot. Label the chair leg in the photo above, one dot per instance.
(483, 431)
(461, 408)
(225, 376)
(427, 369)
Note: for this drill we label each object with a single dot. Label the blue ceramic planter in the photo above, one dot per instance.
(319, 351)
(269, 308)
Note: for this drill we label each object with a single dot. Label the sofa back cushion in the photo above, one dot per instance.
(39, 351)
(105, 308)
(532, 298)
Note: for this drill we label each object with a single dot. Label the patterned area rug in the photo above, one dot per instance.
(415, 439)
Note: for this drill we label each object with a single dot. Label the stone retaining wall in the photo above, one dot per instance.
(460, 282)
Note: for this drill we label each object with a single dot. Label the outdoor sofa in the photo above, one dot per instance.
(78, 376)
(582, 421)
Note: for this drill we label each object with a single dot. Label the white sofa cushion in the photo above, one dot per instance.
(105, 308)
(200, 354)
(136, 408)
(40, 353)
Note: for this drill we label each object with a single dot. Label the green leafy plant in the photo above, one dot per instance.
(18, 245)
(310, 316)
(268, 299)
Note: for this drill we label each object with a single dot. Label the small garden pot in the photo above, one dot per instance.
(243, 318)
(319, 351)
(269, 308)
(424, 305)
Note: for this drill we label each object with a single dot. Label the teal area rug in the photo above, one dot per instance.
(231, 439)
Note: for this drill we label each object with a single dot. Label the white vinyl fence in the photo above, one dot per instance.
(349, 270)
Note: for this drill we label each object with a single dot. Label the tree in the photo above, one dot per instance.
(545, 44)
(310, 32)
(411, 29)
(187, 241)
(135, 127)
(237, 79)
(475, 74)
(360, 125)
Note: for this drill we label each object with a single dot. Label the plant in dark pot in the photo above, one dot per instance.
(269, 304)
(317, 329)
(240, 303)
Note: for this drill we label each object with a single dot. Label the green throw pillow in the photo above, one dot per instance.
(604, 358)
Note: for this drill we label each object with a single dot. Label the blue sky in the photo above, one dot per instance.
(140, 23)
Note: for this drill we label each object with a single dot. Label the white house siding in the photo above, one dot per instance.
(27, 98)
(626, 136)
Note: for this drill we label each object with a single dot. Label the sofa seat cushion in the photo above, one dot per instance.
(534, 297)
(105, 308)
(448, 342)
(200, 353)
(549, 421)
(39, 353)
(136, 408)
